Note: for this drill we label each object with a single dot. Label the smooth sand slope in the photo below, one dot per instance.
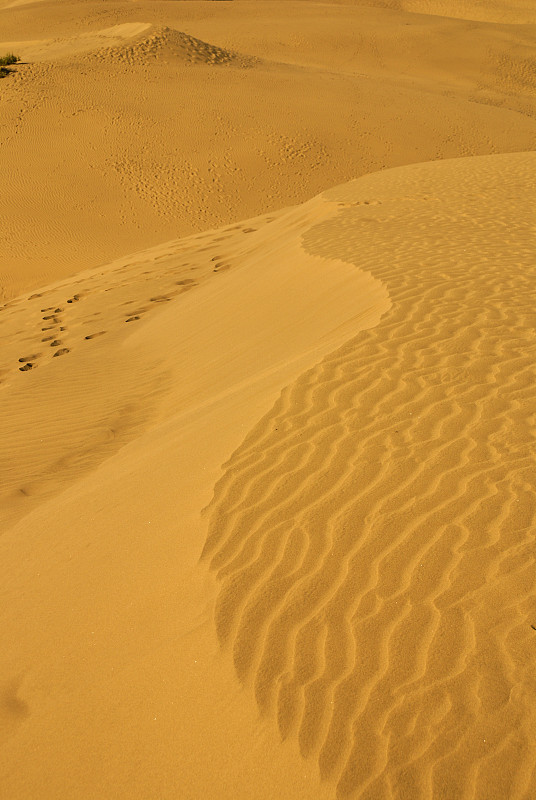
(132, 123)
(369, 632)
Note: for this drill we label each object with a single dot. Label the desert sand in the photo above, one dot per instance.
(267, 393)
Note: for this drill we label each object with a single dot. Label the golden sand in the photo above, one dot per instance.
(267, 484)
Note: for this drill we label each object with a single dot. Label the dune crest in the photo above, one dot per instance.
(373, 534)
(91, 333)
(165, 42)
(165, 358)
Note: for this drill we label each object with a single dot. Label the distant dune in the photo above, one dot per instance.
(161, 119)
(267, 486)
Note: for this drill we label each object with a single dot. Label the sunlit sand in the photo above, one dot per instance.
(267, 398)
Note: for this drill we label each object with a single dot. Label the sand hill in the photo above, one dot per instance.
(267, 447)
(133, 124)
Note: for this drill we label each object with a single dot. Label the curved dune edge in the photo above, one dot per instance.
(373, 535)
(113, 684)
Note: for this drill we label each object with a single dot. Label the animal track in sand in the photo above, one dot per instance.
(26, 367)
(249, 230)
(56, 343)
(131, 319)
(74, 298)
(186, 282)
(24, 359)
(61, 352)
(93, 335)
(160, 299)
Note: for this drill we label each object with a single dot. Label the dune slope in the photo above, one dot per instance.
(371, 578)
(373, 534)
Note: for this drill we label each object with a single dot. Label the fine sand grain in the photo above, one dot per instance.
(267, 484)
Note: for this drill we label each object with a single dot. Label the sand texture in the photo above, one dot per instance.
(267, 477)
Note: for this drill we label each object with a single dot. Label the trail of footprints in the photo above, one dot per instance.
(54, 319)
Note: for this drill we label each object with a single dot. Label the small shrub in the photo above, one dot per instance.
(9, 58)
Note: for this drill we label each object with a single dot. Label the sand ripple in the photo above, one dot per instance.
(373, 535)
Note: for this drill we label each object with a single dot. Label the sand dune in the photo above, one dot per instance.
(267, 483)
(517, 12)
(85, 322)
(370, 536)
(373, 533)
(161, 119)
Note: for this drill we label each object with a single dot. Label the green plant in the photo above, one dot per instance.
(9, 58)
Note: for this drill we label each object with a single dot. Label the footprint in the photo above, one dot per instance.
(131, 319)
(55, 343)
(29, 358)
(33, 296)
(160, 299)
(44, 310)
(92, 335)
(58, 310)
(47, 339)
(186, 282)
(26, 367)
(61, 352)
(249, 230)
(74, 298)
(49, 316)
(12, 707)
(221, 267)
